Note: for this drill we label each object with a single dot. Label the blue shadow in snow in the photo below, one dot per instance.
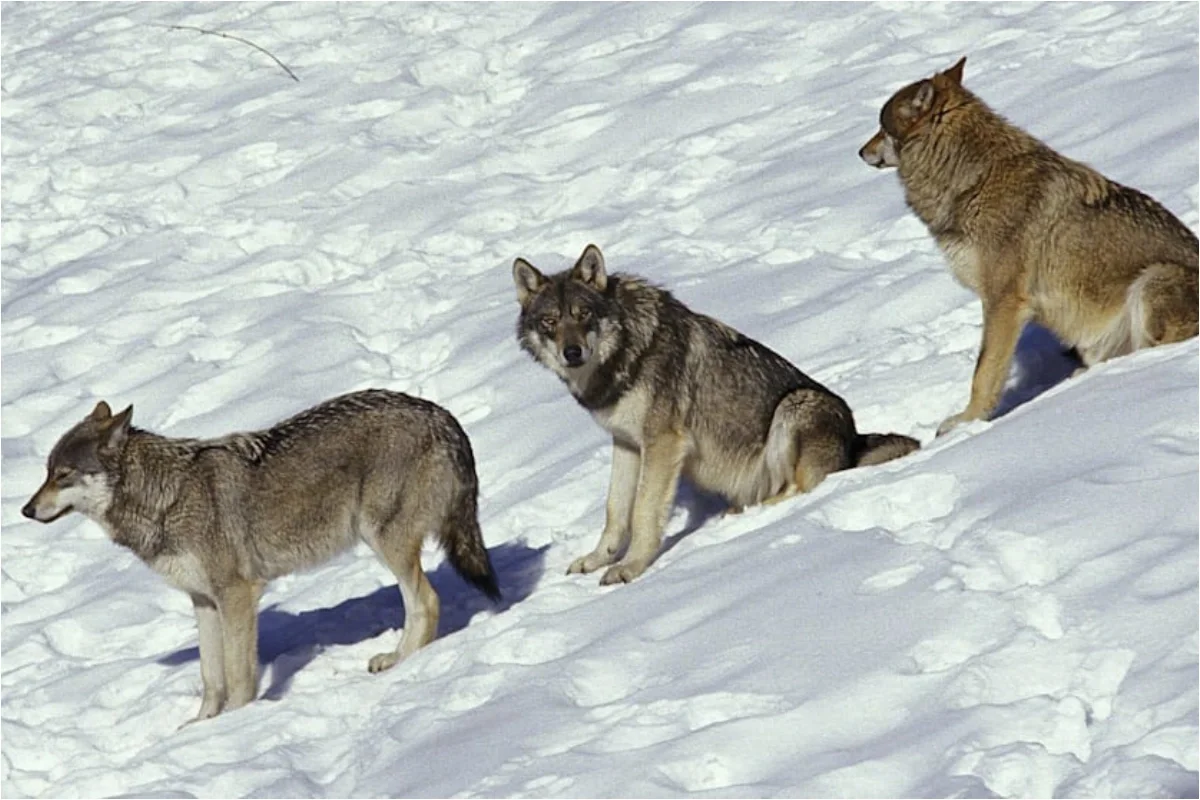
(1040, 362)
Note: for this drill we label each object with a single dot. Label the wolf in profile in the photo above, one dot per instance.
(681, 394)
(1036, 235)
(218, 518)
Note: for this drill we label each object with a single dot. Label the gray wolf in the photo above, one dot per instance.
(682, 394)
(1034, 234)
(218, 518)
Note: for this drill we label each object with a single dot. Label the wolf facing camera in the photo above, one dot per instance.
(681, 394)
(218, 518)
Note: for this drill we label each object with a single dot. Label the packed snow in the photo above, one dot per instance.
(1011, 611)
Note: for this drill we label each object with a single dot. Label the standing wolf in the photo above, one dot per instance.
(218, 518)
(681, 393)
(1035, 235)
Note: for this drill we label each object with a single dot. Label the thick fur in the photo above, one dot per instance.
(218, 518)
(682, 394)
(1036, 235)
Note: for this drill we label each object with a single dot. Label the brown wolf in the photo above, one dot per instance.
(681, 393)
(218, 518)
(1036, 235)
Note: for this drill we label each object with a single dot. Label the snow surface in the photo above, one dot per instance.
(1012, 611)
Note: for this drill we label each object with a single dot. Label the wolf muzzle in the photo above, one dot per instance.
(879, 151)
(30, 509)
(574, 355)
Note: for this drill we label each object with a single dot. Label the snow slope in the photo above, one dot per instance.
(1011, 611)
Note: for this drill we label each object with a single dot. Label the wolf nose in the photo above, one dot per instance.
(573, 355)
(27, 510)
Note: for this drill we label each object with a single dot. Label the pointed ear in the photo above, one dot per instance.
(100, 412)
(117, 429)
(528, 280)
(589, 268)
(955, 72)
(923, 100)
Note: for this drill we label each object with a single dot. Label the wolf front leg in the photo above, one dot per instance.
(212, 656)
(622, 488)
(238, 605)
(1002, 323)
(662, 462)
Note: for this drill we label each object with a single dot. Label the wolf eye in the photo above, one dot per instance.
(549, 324)
(63, 474)
(583, 314)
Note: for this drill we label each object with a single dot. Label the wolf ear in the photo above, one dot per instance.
(528, 280)
(923, 100)
(955, 72)
(117, 429)
(100, 412)
(589, 268)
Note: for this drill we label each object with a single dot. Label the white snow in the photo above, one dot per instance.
(1012, 611)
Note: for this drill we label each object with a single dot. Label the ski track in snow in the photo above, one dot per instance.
(1012, 611)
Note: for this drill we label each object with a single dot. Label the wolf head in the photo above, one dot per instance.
(78, 470)
(569, 321)
(909, 111)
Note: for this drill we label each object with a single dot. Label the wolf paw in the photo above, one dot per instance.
(624, 572)
(382, 661)
(210, 706)
(589, 563)
(206, 712)
(954, 421)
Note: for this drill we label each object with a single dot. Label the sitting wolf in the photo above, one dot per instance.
(681, 393)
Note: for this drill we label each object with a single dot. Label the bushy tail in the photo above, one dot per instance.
(462, 541)
(876, 448)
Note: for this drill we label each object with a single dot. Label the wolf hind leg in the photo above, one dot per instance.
(812, 435)
(398, 544)
(1162, 305)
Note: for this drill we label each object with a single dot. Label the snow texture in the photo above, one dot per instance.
(1011, 611)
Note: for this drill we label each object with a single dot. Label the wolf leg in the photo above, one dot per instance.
(1002, 323)
(238, 606)
(1163, 305)
(811, 436)
(662, 463)
(212, 658)
(401, 550)
(622, 488)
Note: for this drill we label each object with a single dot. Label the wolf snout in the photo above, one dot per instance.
(27, 510)
(573, 355)
(871, 155)
(880, 151)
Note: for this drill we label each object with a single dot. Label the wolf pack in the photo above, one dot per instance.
(1037, 236)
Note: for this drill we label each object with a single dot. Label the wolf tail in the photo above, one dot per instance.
(876, 448)
(460, 536)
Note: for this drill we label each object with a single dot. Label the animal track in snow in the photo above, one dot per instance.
(991, 560)
(909, 508)
(525, 647)
(890, 578)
